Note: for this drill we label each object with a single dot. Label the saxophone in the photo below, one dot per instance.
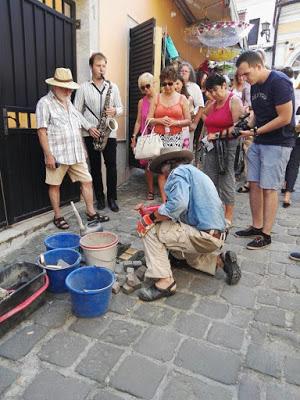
(106, 124)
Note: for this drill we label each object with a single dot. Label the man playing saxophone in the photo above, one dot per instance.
(99, 101)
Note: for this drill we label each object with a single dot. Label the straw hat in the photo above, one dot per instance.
(169, 153)
(63, 78)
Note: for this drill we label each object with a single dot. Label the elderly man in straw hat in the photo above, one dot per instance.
(59, 129)
(191, 224)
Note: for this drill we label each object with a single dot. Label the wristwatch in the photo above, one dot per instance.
(152, 217)
(254, 130)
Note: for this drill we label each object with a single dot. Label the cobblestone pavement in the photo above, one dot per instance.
(209, 341)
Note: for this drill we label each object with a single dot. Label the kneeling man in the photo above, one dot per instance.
(191, 224)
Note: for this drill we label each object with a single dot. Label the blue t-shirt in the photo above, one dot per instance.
(193, 199)
(275, 91)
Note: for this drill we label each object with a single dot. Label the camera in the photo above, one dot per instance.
(241, 125)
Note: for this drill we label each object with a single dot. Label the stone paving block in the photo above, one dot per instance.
(154, 314)
(22, 342)
(268, 297)
(261, 257)
(258, 332)
(239, 295)
(280, 257)
(121, 333)
(138, 376)
(105, 395)
(226, 335)
(212, 309)
(183, 301)
(261, 359)
(249, 388)
(191, 324)
(63, 349)
(122, 304)
(292, 370)
(276, 269)
(270, 315)
(206, 285)
(290, 302)
(183, 387)
(283, 239)
(7, 377)
(251, 280)
(240, 317)
(283, 392)
(53, 314)
(205, 359)
(296, 324)
(278, 283)
(293, 271)
(296, 284)
(92, 327)
(158, 343)
(100, 359)
(183, 279)
(50, 385)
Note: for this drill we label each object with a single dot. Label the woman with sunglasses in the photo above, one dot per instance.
(169, 113)
(219, 118)
(145, 84)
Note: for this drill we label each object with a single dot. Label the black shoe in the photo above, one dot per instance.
(295, 256)
(100, 204)
(112, 204)
(231, 268)
(260, 242)
(154, 293)
(249, 232)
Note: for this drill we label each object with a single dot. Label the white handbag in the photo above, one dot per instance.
(148, 146)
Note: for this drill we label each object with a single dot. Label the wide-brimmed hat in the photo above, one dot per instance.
(63, 78)
(167, 154)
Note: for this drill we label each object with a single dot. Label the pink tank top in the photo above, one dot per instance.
(145, 111)
(174, 112)
(219, 118)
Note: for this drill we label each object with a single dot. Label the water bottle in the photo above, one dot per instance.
(167, 130)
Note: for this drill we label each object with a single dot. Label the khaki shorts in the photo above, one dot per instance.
(77, 172)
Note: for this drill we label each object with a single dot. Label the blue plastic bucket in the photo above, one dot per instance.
(57, 277)
(91, 291)
(62, 240)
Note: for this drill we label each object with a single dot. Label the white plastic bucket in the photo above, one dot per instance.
(100, 249)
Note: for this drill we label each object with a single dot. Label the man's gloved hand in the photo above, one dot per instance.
(144, 225)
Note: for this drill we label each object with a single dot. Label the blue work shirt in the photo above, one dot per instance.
(193, 199)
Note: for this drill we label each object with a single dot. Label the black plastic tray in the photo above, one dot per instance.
(25, 279)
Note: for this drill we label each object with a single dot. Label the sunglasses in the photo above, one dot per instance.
(146, 86)
(164, 84)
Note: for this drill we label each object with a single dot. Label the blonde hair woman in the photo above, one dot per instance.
(146, 86)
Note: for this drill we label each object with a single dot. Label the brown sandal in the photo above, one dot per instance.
(150, 196)
(61, 223)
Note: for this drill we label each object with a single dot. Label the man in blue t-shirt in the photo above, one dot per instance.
(273, 103)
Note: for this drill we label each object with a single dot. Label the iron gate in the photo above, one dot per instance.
(34, 40)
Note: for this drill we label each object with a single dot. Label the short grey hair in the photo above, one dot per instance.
(192, 77)
(146, 77)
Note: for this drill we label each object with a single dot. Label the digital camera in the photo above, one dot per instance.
(241, 125)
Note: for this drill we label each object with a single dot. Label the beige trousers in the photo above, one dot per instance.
(198, 248)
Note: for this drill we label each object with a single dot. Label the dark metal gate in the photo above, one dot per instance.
(34, 40)
(141, 59)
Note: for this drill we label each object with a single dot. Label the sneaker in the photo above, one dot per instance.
(249, 232)
(260, 242)
(295, 256)
(231, 267)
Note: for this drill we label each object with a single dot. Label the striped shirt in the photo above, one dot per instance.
(88, 95)
(63, 129)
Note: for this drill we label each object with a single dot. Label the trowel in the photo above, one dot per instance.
(90, 227)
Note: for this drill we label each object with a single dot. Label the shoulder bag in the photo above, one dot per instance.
(148, 146)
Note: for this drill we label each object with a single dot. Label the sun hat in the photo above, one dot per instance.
(167, 154)
(63, 78)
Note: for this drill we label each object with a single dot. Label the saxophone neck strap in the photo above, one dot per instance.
(98, 90)
(91, 111)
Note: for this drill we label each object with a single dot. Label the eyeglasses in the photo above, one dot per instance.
(164, 84)
(146, 86)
